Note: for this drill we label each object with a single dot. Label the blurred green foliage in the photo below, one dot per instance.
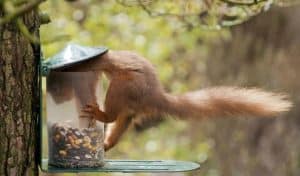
(175, 35)
(165, 42)
(122, 28)
(175, 48)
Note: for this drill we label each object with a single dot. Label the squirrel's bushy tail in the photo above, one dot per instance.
(226, 101)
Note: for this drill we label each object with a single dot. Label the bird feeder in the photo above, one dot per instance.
(75, 144)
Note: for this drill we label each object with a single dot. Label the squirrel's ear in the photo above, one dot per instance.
(143, 123)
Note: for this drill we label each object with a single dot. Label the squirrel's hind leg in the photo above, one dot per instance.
(115, 130)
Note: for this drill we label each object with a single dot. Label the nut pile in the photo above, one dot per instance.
(73, 148)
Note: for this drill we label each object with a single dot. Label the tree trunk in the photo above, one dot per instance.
(263, 52)
(19, 97)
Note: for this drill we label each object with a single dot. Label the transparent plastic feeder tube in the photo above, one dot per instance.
(73, 141)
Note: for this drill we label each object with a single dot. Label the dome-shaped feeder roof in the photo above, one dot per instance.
(72, 54)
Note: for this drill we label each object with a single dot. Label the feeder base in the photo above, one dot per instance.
(129, 166)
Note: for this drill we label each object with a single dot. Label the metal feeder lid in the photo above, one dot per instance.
(72, 54)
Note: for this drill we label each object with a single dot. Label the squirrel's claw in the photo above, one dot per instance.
(89, 111)
(92, 105)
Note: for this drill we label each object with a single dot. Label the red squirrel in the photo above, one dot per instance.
(135, 91)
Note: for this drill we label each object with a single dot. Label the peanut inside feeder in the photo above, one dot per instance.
(74, 147)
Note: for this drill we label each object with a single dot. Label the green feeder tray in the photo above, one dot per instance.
(129, 166)
(75, 54)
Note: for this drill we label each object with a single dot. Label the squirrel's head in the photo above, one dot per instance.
(59, 86)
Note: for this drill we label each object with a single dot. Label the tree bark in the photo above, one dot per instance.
(19, 97)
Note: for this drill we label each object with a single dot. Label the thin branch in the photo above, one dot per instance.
(240, 3)
(23, 29)
(133, 2)
(20, 11)
(33, 39)
(184, 17)
(168, 14)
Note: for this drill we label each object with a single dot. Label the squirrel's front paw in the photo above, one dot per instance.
(90, 111)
